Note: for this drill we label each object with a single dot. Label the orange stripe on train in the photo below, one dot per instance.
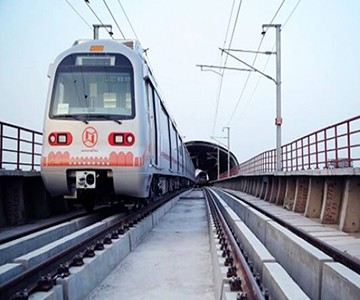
(115, 159)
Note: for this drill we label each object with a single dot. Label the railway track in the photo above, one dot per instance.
(68, 245)
(253, 256)
(273, 259)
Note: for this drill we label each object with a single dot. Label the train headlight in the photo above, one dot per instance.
(121, 139)
(118, 139)
(60, 138)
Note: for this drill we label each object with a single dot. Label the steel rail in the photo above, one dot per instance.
(252, 286)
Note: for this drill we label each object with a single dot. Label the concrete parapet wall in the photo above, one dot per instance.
(331, 195)
(339, 282)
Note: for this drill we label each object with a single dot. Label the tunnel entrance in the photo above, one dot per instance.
(205, 157)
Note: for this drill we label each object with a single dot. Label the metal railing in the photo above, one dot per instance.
(335, 146)
(20, 148)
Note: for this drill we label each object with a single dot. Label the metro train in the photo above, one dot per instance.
(107, 131)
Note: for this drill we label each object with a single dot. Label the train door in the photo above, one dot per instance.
(153, 122)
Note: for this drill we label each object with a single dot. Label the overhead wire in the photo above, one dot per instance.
(117, 25)
(292, 12)
(109, 32)
(267, 61)
(132, 28)
(253, 63)
(220, 84)
(74, 9)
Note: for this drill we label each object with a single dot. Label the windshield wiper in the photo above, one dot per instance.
(107, 117)
(83, 118)
(86, 118)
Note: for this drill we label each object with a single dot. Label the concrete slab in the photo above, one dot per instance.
(279, 284)
(56, 293)
(257, 252)
(329, 233)
(139, 231)
(297, 257)
(173, 262)
(339, 282)
(317, 228)
(157, 215)
(10, 270)
(85, 278)
(238, 206)
(37, 256)
(257, 223)
(353, 248)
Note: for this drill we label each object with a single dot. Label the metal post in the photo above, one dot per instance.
(278, 100)
(278, 120)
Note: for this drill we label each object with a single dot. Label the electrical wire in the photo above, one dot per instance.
(253, 64)
(109, 32)
(292, 12)
(272, 20)
(117, 25)
(220, 84)
(257, 84)
(132, 28)
(265, 66)
(73, 8)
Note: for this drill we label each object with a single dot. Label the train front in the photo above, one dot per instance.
(94, 132)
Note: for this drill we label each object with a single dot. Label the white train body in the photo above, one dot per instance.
(106, 127)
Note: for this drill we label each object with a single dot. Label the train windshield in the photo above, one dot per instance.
(91, 85)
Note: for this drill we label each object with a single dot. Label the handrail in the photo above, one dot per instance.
(20, 148)
(332, 147)
(335, 146)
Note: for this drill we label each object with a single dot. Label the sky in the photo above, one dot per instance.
(320, 64)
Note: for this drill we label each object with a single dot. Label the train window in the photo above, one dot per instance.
(89, 90)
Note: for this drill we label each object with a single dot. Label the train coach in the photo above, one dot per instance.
(107, 131)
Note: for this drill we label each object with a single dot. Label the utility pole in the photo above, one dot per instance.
(228, 148)
(218, 152)
(278, 120)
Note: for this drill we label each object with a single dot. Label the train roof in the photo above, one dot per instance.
(132, 44)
